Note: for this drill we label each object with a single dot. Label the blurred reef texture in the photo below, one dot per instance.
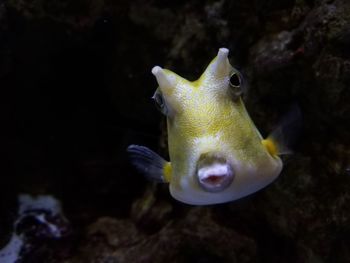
(75, 91)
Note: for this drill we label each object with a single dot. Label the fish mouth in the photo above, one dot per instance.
(214, 173)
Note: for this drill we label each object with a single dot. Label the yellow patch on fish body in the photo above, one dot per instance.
(204, 119)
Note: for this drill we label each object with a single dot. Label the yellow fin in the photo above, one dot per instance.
(270, 146)
(167, 171)
(284, 136)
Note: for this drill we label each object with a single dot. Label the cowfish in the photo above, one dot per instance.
(216, 153)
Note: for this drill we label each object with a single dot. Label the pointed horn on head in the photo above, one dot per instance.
(163, 80)
(221, 63)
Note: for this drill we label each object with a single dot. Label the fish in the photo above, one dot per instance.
(217, 155)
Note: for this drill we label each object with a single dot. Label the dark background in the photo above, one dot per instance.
(75, 87)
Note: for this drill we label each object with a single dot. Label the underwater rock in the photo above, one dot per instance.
(195, 237)
(40, 219)
(79, 14)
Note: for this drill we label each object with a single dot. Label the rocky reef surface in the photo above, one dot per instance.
(75, 91)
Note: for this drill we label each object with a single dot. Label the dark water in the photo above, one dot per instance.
(75, 92)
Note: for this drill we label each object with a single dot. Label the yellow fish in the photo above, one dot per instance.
(216, 153)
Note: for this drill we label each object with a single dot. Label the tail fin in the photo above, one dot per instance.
(281, 140)
(149, 163)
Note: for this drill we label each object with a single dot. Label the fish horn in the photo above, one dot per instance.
(221, 64)
(163, 80)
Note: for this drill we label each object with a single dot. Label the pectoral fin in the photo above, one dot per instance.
(281, 139)
(153, 166)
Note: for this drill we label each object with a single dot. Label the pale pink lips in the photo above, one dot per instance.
(215, 177)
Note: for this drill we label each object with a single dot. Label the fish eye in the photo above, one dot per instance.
(236, 85)
(235, 80)
(160, 103)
